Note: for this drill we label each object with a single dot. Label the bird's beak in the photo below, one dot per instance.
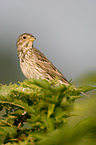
(32, 38)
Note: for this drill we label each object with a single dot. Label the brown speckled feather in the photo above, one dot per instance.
(43, 62)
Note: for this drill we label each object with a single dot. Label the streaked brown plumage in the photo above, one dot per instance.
(35, 64)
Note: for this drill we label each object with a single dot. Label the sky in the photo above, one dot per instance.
(65, 32)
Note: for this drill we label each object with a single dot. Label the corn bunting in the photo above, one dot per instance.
(35, 64)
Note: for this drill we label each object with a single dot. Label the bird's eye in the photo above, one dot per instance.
(24, 37)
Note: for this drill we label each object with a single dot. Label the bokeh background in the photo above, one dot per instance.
(65, 32)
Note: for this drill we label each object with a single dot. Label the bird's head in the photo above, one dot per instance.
(25, 42)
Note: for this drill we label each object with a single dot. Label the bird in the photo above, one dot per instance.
(33, 63)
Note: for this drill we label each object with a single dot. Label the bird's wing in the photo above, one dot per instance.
(43, 62)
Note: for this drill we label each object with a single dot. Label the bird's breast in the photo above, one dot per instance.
(29, 67)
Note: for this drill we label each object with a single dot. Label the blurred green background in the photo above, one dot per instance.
(65, 32)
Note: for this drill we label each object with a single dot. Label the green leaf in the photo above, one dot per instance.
(86, 88)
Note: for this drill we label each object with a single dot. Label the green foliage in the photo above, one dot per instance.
(40, 112)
